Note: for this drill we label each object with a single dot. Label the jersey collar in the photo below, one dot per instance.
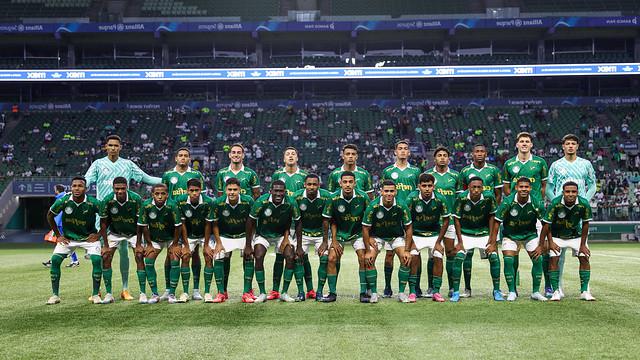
(284, 170)
(159, 208)
(81, 202)
(186, 171)
(343, 169)
(515, 200)
(199, 201)
(433, 196)
(239, 171)
(304, 195)
(125, 199)
(226, 200)
(271, 201)
(469, 198)
(526, 161)
(568, 207)
(480, 169)
(396, 166)
(435, 170)
(387, 208)
(342, 196)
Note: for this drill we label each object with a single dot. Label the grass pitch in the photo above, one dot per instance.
(475, 328)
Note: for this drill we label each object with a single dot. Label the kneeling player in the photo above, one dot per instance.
(473, 215)
(270, 219)
(519, 214)
(229, 216)
(427, 210)
(79, 212)
(566, 225)
(118, 217)
(343, 213)
(161, 226)
(387, 224)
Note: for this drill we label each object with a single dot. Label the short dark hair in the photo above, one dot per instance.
(347, 173)
(290, 148)
(312, 176)
(194, 182)
(113, 137)
(277, 182)
(238, 145)
(570, 137)
(424, 177)
(524, 179)
(120, 180)
(59, 188)
(569, 183)
(441, 148)
(406, 142)
(476, 178)
(388, 183)
(350, 146)
(524, 134)
(81, 178)
(160, 185)
(232, 181)
(479, 145)
(183, 149)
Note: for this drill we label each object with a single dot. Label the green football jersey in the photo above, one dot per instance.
(490, 175)
(474, 217)
(273, 220)
(386, 223)
(347, 214)
(535, 169)
(194, 217)
(78, 219)
(232, 220)
(427, 214)
(177, 182)
(311, 211)
(447, 185)
(122, 217)
(247, 177)
(363, 180)
(406, 180)
(292, 182)
(519, 221)
(161, 221)
(565, 221)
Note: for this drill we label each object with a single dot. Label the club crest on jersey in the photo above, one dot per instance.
(379, 215)
(341, 208)
(153, 215)
(562, 214)
(394, 175)
(174, 180)
(188, 213)
(467, 207)
(303, 207)
(268, 212)
(516, 169)
(419, 208)
(225, 213)
(68, 210)
(114, 210)
(514, 212)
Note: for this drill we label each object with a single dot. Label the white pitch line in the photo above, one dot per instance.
(621, 257)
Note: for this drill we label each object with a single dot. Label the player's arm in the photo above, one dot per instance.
(104, 225)
(456, 225)
(443, 230)
(250, 227)
(550, 184)
(544, 177)
(590, 182)
(506, 181)
(140, 176)
(492, 246)
(368, 255)
(91, 176)
(408, 243)
(255, 185)
(493, 232)
(583, 239)
(54, 227)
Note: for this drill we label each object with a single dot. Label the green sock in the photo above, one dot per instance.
(466, 268)
(150, 269)
(142, 280)
(536, 273)
(196, 268)
(185, 272)
(278, 266)
(333, 282)
(403, 277)
(56, 261)
(419, 274)
(457, 270)
(388, 273)
(449, 267)
(413, 279)
(372, 279)
(96, 272)
(167, 276)
(363, 281)
(437, 283)
(585, 275)
(248, 275)
(338, 268)
(300, 272)
(227, 268)
(430, 272)
(208, 276)
(554, 277)
(107, 274)
(516, 264)
(322, 273)
(174, 276)
(509, 275)
(218, 269)
(260, 280)
(494, 267)
(288, 275)
(123, 250)
(545, 271)
(308, 273)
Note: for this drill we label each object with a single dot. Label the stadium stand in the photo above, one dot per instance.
(13, 10)
(247, 10)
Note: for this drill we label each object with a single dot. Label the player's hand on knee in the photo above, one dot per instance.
(148, 251)
(139, 251)
(554, 247)
(248, 252)
(337, 248)
(63, 240)
(369, 258)
(93, 237)
(491, 248)
(104, 251)
(584, 250)
(406, 258)
(539, 250)
(185, 252)
(299, 252)
(438, 248)
(322, 249)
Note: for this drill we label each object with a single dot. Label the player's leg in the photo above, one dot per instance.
(437, 274)
(259, 251)
(208, 274)
(227, 267)
(322, 270)
(123, 251)
(248, 266)
(289, 268)
(398, 247)
(93, 251)
(142, 276)
(585, 276)
(174, 274)
(185, 273)
(450, 251)
(300, 272)
(371, 273)
(151, 254)
(358, 246)
(59, 254)
(509, 252)
(333, 259)
(554, 273)
(196, 267)
(388, 273)
(74, 260)
(494, 266)
(467, 265)
(167, 278)
(455, 259)
(278, 268)
(561, 270)
(107, 272)
(430, 265)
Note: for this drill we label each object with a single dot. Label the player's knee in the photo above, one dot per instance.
(56, 259)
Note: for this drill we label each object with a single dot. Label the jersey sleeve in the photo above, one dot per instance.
(328, 209)
(254, 182)
(586, 213)
(457, 208)
(213, 213)
(331, 185)
(203, 185)
(140, 176)
(142, 217)
(219, 184)
(368, 183)
(540, 210)
(177, 215)
(367, 218)
(590, 181)
(550, 190)
(544, 172)
(459, 183)
(501, 211)
(498, 179)
(91, 175)
(406, 216)
(57, 206)
(255, 210)
(444, 210)
(506, 179)
(295, 211)
(550, 213)
(102, 209)
(493, 205)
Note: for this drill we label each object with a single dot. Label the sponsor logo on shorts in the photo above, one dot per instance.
(268, 212)
(114, 210)
(68, 210)
(174, 180)
(153, 215)
(341, 208)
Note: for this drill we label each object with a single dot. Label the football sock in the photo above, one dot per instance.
(150, 269)
(536, 273)
(142, 280)
(123, 250)
(96, 272)
(516, 264)
(196, 267)
(388, 273)
(437, 283)
(322, 272)
(107, 274)
(56, 261)
(288, 275)
(300, 272)
(466, 268)
(74, 257)
(494, 267)
(278, 265)
(419, 273)
(429, 272)
(413, 280)
(509, 275)
(248, 275)
(545, 271)
(372, 279)
(363, 281)
(208, 276)
(174, 276)
(185, 273)
(456, 270)
(260, 280)
(308, 273)
(585, 275)
(218, 270)
(227, 267)
(554, 276)
(167, 275)
(450, 269)
(403, 277)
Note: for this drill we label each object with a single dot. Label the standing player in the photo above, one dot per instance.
(293, 178)
(428, 210)
(492, 179)
(349, 158)
(118, 218)
(102, 172)
(176, 181)
(387, 224)
(249, 182)
(78, 219)
(161, 226)
(195, 208)
(311, 202)
(344, 213)
(566, 225)
(447, 184)
(405, 177)
(270, 219)
(59, 191)
(229, 217)
(473, 219)
(535, 168)
(519, 214)
(570, 167)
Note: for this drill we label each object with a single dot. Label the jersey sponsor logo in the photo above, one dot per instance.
(153, 215)
(188, 213)
(467, 207)
(419, 208)
(562, 214)
(514, 212)
(341, 208)
(174, 180)
(379, 215)
(303, 207)
(268, 212)
(394, 175)
(404, 187)
(114, 210)
(225, 213)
